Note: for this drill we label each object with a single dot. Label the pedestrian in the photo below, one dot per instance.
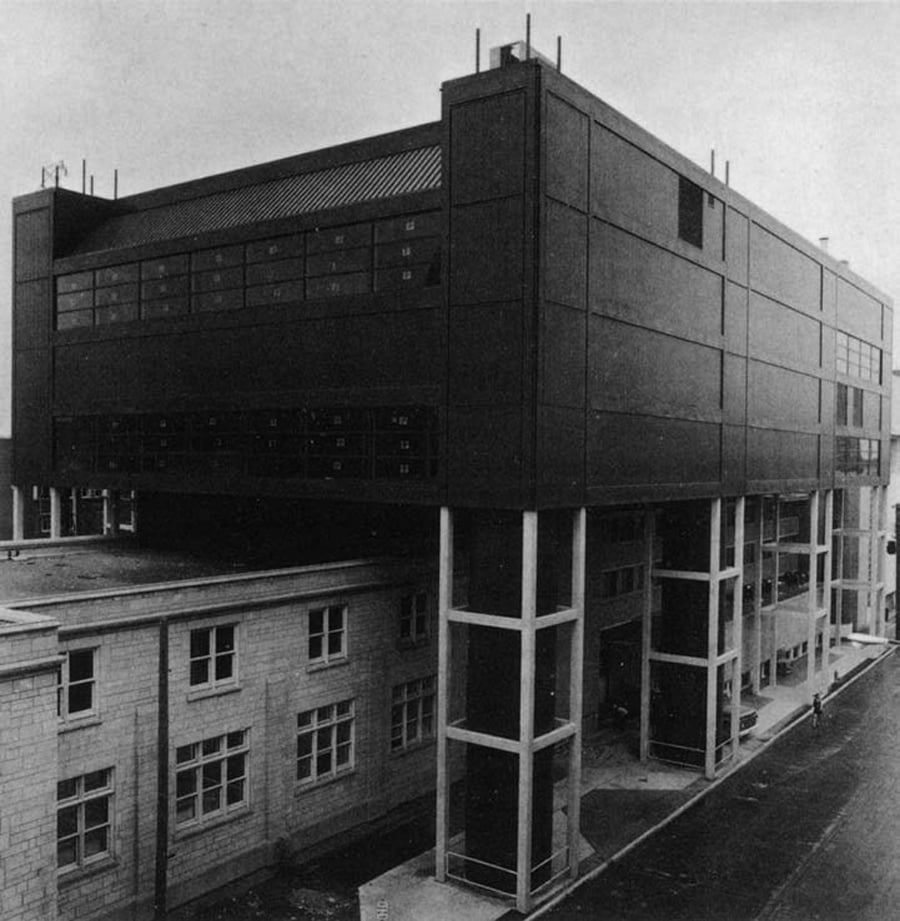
(817, 711)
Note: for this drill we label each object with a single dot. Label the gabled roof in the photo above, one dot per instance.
(401, 173)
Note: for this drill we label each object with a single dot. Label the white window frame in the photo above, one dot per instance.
(413, 713)
(326, 742)
(213, 656)
(217, 766)
(325, 638)
(414, 618)
(65, 686)
(83, 801)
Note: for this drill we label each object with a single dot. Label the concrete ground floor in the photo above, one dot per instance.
(622, 802)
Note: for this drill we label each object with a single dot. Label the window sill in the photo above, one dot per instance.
(79, 722)
(192, 831)
(334, 663)
(77, 874)
(203, 693)
(302, 787)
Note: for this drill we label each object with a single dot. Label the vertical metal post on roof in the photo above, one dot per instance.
(712, 162)
(528, 36)
(478, 51)
(728, 172)
(115, 183)
(559, 54)
(83, 175)
(92, 185)
(56, 177)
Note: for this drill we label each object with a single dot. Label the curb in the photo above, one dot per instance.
(788, 724)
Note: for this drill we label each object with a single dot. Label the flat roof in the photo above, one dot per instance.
(42, 573)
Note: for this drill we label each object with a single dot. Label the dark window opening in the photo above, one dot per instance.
(690, 212)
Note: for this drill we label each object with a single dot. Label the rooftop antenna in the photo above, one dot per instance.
(528, 36)
(712, 162)
(53, 169)
(727, 173)
(115, 183)
(559, 54)
(83, 175)
(478, 51)
(92, 183)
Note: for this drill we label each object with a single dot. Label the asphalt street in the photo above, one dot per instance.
(807, 831)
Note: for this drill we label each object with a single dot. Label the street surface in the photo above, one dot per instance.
(807, 831)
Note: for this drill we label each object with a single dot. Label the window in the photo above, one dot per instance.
(623, 581)
(327, 634)
(75, 690)
(84, 819)
(690, 212)
(857, 407)
(211, 778)
(840, 413)
(325, 741)
(213, 654)
(412, 713)
(857, 455)
(414, 617)
(856, 358)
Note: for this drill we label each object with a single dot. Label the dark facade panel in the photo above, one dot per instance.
(31, 416)
(486, 252)
(781, 455)
(32, 314)
(565, 255)
(636, 370)
(640, 283)
(736, 318)
(485, 464)
(734, 389)
(567, 131)
(560, 456)
(779, 334)
(782, 272)
(32, 244)
(486, 362)
(737, 231)
(487, 148)
(858, 313)
(783, 399)
(625, 449)
(562, 339)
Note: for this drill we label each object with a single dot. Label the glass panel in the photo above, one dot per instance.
(236, 766)
(343, 732)
(304, 768)
(335, 618)
(96, 780)
(211, 746)
(81, 665)
(67, 788)
(212, 774)
(67, 821)
(225, 639)
(186, 809)
(323, 714)
(235, 792)
(224, 666)
(343, 755)
(323, 763)
(95, 842)
(344, 707)
(67, 852)
(185, 783)
(304, 744)
(335, 643)
(81, 697)
(304, 719)
(315, 647)
(200, 671)
(235, 739)
(212, 800)
(96, 812)
(199, 643)
(315, 621)
(185, 753)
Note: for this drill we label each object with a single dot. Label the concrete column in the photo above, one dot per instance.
(828, 583)
(646, 631)
(712, 639)
(839, 614)
(812, 605)
(18, 513)
(738, 630)
(526, 708)
(55, 513)
(445, 602)
(576, 685)
(757, 604)
(880, 502)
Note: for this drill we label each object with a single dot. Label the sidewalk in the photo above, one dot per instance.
(623, 801)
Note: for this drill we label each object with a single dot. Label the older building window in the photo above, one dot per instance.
(211, 778)
(690, 212)
(325, 741)
(414, 618)
(84, 819)
(213, 657)
(76, 689)
(327, 634)
(412, 713)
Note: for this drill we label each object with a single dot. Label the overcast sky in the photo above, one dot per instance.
(802, 98)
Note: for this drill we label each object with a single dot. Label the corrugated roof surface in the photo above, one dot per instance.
(384, 177)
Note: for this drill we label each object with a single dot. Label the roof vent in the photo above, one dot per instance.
(513, 53)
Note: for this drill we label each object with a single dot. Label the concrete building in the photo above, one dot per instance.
(635, 429)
